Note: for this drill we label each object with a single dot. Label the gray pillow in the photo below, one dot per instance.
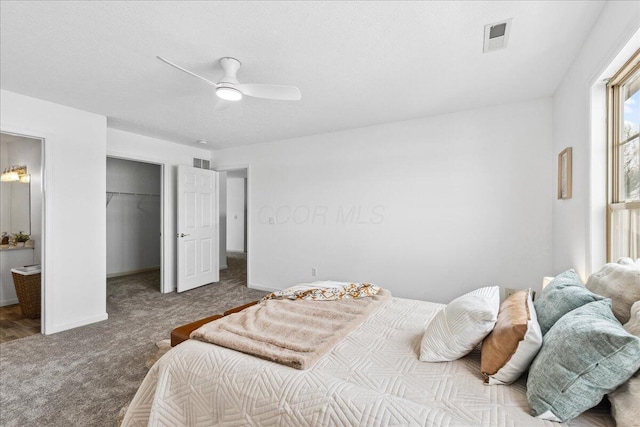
(565, 293)
(584, 356)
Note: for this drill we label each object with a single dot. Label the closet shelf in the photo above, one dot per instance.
(110, 195)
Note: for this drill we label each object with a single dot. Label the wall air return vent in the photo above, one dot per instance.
(201, 163)
(496, 35)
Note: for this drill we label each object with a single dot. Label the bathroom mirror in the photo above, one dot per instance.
(16, 212)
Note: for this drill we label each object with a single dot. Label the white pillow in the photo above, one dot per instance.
(461, 325)
(630, 261)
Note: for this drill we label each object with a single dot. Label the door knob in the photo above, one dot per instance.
(182, 235)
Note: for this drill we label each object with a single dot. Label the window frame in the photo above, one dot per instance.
(614, 115)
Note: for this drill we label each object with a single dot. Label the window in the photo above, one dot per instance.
(623, 97)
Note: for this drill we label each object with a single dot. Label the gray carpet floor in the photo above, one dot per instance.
(83, 377)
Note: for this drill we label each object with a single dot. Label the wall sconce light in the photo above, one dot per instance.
(15, 173)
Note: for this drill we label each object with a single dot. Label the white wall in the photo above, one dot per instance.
(75, 251)
(132, 146)
(133, 222)
(235, 214)
(428, 208)
(578, 223)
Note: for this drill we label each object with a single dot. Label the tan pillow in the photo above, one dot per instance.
(509, 349)
(621, 283)
(625, 400)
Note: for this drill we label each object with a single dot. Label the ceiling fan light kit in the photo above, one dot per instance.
(228, 93)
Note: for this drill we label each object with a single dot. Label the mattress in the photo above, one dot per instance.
(371, 378)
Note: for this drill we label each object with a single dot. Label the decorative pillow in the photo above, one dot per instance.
(585, 355)
(625, 400)
(629, 261)
(565, 293)
(621, 283)
(633, 325)
(509, 349)
(461, 325)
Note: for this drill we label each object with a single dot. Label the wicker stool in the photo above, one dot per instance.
(28, 290)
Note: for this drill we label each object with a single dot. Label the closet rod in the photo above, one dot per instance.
(131, 194)
(110, 195)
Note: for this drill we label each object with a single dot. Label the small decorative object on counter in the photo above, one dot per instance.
(20, 238)
(29, 243)
(5, 239)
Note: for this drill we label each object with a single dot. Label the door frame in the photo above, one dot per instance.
(45, 292)
(221, 168)
(165, 233)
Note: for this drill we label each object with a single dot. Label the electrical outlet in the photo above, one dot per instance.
(314, 272)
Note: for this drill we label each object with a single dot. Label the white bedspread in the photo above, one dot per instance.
(372, 378)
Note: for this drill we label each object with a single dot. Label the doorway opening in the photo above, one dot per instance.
(234, 236)
(134, 222)
(22, 229)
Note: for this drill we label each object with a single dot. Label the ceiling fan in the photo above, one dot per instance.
(229, 89)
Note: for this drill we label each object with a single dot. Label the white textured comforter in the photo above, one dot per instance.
(372, 378)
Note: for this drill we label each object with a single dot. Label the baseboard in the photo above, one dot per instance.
(77, 324)
(11, 301)
(224, 267)
(262, 288)
(127, 273)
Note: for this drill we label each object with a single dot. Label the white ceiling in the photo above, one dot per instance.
(357, 64)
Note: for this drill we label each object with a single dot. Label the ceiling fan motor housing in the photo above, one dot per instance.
(230, 66)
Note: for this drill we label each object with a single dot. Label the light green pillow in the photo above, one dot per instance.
(584, 356)
(565, 293)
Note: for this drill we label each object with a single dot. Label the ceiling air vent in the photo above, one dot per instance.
(496, 35)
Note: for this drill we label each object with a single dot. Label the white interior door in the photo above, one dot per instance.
(197, 228)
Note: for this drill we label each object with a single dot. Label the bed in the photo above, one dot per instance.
(371, 378)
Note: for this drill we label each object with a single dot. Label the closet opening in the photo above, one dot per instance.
(134, 203)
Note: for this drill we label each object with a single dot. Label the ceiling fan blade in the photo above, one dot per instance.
(166, 61)
(221, 105)
(283, 93)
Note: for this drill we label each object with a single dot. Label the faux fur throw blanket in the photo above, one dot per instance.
(326, 291)
(296, 332)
